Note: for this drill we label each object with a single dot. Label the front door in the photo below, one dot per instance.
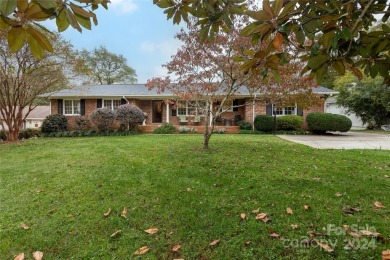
(157, 107)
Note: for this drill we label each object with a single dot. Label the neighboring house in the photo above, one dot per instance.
(35, 118)
(83, 100)
(332, 107)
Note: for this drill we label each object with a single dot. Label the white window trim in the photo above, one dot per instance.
(72, 114)
(186, 108)
(112, 102)
(284, 111)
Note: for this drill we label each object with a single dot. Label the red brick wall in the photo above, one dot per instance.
(260, 109)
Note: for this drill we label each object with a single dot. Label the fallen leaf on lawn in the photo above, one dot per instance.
(386, 254)
(142, 250)
(274, 235)
(306, 207)
(189, 189)
(176, 248)
(316, 178)
(25, 226)
(256, 211)
(289, 211)
(39, 191)
(248, 243)
(351, 232)
(338, 194)
(325, 247)
(116, 233)
(19, 256)
(151, 231)
(294, 226)
(369, 233)
(378, 204)
(350, 210)
(315, 167)
(38, 255)
(261, 216)
(124, 213)
(240, 188)
(215, 242)
(387, 176)
(243, 216)
(265, 220)
(106, 214)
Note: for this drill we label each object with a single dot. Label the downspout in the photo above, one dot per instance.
(167, 112)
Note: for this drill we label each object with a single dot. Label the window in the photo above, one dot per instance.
(112, 103)
(291, 110)
(190, 108)
(72, 107)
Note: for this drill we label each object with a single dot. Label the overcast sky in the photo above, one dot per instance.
(138, 30)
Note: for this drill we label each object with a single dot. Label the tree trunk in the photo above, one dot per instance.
(208, 131)
(206, 139)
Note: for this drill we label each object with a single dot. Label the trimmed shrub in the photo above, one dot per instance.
(29, 133)
(103, 118)
(82, 122)
(244, 125)
(129, 116)
(289, 122)
(264, 123)
(3, 137)
(54, 123)
(165, 128)
(323, 122)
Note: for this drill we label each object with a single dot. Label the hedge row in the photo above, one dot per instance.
(322, 122)
(89, 133)
(24, 134)
(267, 123)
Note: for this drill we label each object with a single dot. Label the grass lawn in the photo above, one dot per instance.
(60, 188)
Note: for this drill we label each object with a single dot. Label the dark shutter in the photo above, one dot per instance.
(174, 112)
(235, 104)
(299, 111)
(60, 106)
(82, 107)
(99, 103)
(123, 101)
(269, 109)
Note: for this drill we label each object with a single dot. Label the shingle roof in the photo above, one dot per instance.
(135, 90)
(39, 112)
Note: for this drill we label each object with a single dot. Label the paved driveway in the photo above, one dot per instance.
(349, 140)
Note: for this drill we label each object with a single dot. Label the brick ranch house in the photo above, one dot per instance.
(82, 100)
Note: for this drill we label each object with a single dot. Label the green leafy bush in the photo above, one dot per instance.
(103, 118)
(3, 137)
(244, 125)
(165, 128)
(29, 133)
(323, 122)
(264, 123)
(54, 123)
(289, 122)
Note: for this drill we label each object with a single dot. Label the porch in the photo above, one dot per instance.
(147, 129)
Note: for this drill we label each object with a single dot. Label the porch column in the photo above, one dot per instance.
(211, 114)
(253, 113)
(167, 112)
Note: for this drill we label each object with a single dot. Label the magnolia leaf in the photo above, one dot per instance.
(324, 246)
(256, 211)
(72, 20)
(247, 243)
(338, 194)
(22, 5)
(339, 67)
(261, 216)
(164, 3)
(40, 38)
(35, 12)
(62, 21)
(83, 21)
(293, 226)
(176, 248)
(351, 232)
(317, 61)
(106, 214)
(274, 235)
(35, 47)
(80, 11)
(151, 231)
(25, 227)
(40, 191)
(386, 254)
(369, 233)
(378, 204)
(278, 5)
(243, 216)
(215, 242)
(289, 211)
(306, 207)
(124, 213)
(300, 36)
(7, 7)
(48, 4)
(16, 38)
(38, 255)
(19, 256)
(142, 250)
(116, 233)
(357, 73)
(267, 8)
(278, 41)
